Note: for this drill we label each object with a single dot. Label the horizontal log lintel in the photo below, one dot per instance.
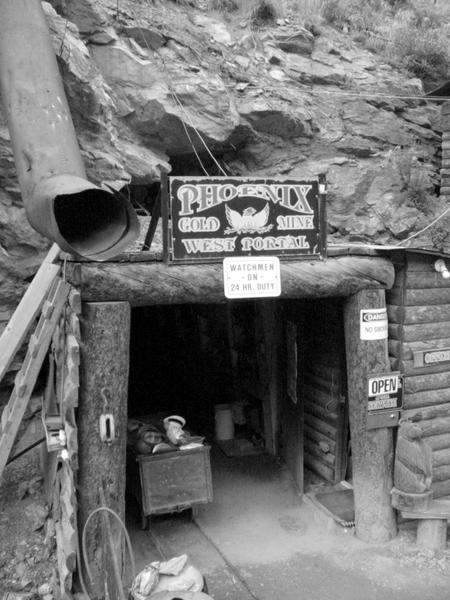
(147, 283)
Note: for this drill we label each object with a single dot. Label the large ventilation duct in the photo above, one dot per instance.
(60, 203)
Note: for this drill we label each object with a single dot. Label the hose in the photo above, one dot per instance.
(127, 539)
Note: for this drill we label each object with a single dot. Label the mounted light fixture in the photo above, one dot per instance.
(441, 267)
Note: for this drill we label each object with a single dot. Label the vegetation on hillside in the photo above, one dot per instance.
(410, 34)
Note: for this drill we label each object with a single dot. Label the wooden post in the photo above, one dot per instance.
(267, 323)
(372, 451)
(105, 332)
(432, 534)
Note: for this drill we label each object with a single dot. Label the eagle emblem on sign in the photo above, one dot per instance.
(250, 221)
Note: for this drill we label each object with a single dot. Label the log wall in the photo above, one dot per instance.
(419, 319)
(325, 391)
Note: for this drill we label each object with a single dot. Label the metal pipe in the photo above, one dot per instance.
(60, 203)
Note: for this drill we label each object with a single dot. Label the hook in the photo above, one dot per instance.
(104, 397)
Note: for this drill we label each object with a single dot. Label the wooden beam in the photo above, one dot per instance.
(372, 450)
(144, 284)
(432, 534)
(28, 309)
(268, 319)
(104, 364)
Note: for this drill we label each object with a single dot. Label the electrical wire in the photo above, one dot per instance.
(369, 95)
(375, 95)
(402, 242)
(178, 102)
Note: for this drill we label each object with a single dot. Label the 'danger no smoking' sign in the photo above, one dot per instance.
(373, 324)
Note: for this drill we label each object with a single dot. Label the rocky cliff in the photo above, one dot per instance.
(158, 86)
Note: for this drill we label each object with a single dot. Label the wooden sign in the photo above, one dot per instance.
(207, 219)
(432, 357)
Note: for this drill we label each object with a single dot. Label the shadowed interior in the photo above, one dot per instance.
(90, 221)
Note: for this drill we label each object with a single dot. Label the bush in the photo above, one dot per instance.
(419, 46)
(412, 34)
(224, 5)
(263, 13)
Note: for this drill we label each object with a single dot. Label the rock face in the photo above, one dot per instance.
(157, 86)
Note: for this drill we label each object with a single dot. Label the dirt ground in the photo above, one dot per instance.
(27, 548)
(246, 549)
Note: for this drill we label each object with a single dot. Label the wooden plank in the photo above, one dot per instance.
(324, 372)
(326, 383)
(319, 437)
(441, 473)
(395, 348)
(420, 262)
(75, 301)
(327, 403)
(27, 376)
(341, 276)
(438, 442)
(420, 332)
(408, 348)
(321, 426)
(418, 314)
(25, 314)
(441, 457)
(428, 279)
(74, 326)
(395, 295)
(438, 509)
(420, 297)
(267, 356)
(64, 514)
(440, 488)
(407, 368)
(318, 466)
(427, 382)
(320, 412)
(395, 313)
(435, 426)
(430, 412)
(425, 398)
(316, 451)
(432, 534)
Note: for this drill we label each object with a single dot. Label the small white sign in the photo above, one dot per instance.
(251, 276)
(373, 324)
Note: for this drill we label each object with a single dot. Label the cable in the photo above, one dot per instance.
(178, 102)
(424, 229)
(372, 95)
(127, 538)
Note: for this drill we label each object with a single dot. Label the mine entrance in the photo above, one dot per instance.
(259, 381)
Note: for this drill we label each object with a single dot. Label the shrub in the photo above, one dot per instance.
(263, 13)
(412, 34)
(224, 5)
(419, 46)
(414, 176)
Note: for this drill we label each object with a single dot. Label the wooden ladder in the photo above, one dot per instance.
(46, 294)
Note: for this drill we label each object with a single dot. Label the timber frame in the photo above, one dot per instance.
(361, 279)
(103, 296)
